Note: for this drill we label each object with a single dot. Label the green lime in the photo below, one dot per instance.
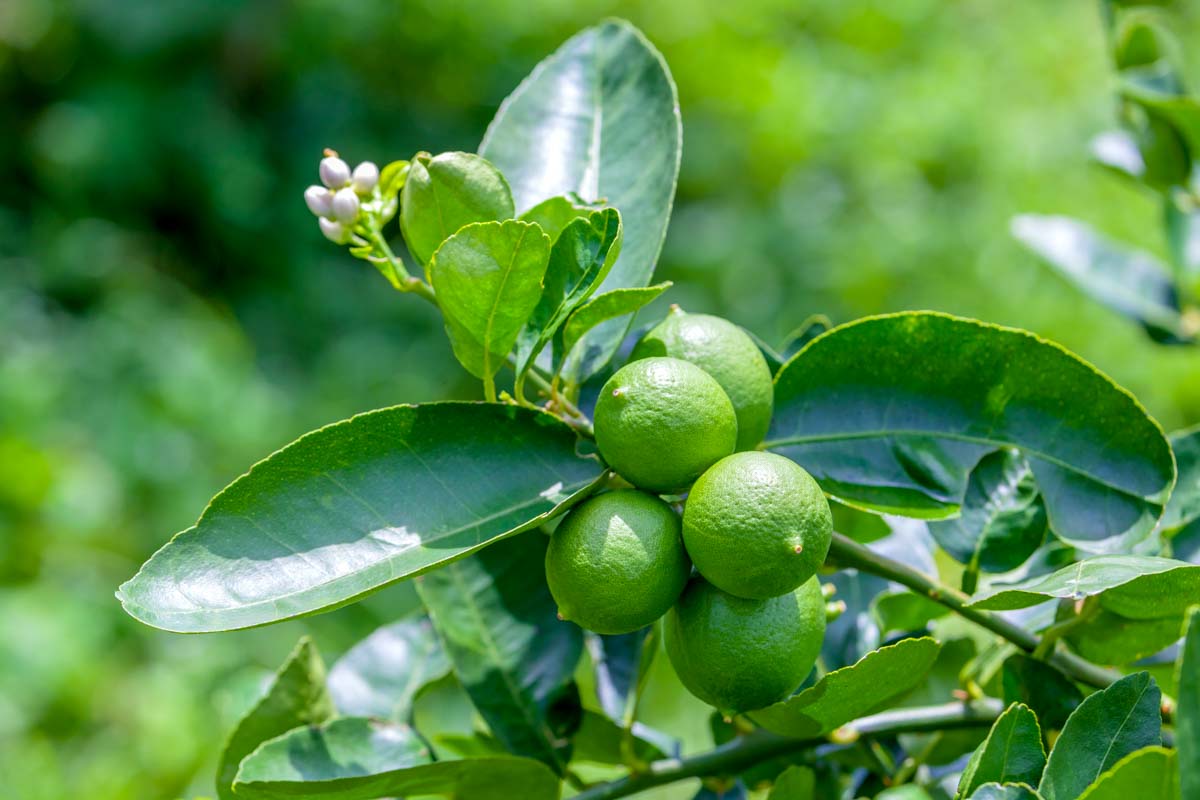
(738, 654)
(757, 525)
(616, 563)
(726, 352)
(660, 422)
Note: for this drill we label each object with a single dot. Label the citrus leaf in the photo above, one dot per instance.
(1108, 638)
(356, 506)
(940, 391)
(555, 213)
(381, 675)
(876, 681)
(361, 759)
(1007, 791)
(445, 192)
(905, 611)
(1137, 587)
(600, 308)
(1107, 726)
(1187, 715)
(599, 118)
(510, 651)
(488, 278)
(1158, 92)
(1011, 753)
(297, 696)
(1130, 282)
(1184, 506)
(1050, 694)
(599, 740)
(621, 664)
(794, 783)
(1002, 521)
(1148, 774)
(579, 259)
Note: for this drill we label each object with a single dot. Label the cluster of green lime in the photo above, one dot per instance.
(684, 416)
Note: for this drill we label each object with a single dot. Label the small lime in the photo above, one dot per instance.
(660, 422)
(726, 352)
(616, 562)
(757, 525)
(739, 655)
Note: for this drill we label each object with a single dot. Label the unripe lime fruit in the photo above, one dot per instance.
(727, 353)
(739, 655)
(757, 525)
(660, 422)
(616, 562)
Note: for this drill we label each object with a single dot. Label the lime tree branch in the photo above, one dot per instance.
(848, 553)
(746, 751)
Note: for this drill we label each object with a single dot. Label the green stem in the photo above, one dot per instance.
(849, 553)
(1051, 635)
(393, 269)
(746, 751)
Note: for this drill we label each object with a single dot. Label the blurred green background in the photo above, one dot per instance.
(169, 312)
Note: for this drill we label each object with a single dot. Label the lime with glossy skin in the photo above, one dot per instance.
(726, 352)
(616, 562)
(757, 525)
(738, 654)
(660, 422)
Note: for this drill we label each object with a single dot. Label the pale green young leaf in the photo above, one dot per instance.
(555, 213)
(382, 675)
(607, 306)
(488, 278)
(1011, 753)
(1148, 774)
(443, 193)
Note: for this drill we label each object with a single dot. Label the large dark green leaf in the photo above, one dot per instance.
(510, 651)
(1137, 587)
(488, 278)
(357, 505)
(1108, 638)
(1011, 753)
(361, 759)
(599, 118)
(1050, 694)
(1106, 727)
(297, 696)
(445, 192)
(1187, 714)
(381, 675)
(621, 664)
(1003, 520)
(1130, 282)
(881, 678)
(892, 412)
(1148, 774)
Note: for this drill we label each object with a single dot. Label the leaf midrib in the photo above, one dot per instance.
(491, 318)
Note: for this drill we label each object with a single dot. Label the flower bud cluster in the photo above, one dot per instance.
(340, 200)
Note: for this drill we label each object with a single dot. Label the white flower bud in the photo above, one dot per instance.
(346, 205)
(335, 232)
(319, 200)
(365, 176)
(334, 172)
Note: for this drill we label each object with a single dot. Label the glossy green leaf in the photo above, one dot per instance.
(941, 391)
(621, 664)
(358, 505)
(361, 759)
(297, 696)
(381, 675)
(1006, 791)
(1138, 587)
(1158, 92)
(1187, 714)
(794, 783)
(599, 118)
(1107, 726)
(555, 213)
(600, 741)
(603, 307)
(510, 651)
(1011, 753)
(445, 192)
(876, 681)
(1108, 638)
(1003, 520)
(1117, 151)
(1051, 694)
(581, 256)
(1184, 506)
(1148, 774)
(905, 611)
(488, 279)
(1130, 282)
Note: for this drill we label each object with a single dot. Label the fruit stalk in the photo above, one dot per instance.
(846, 552)
(746, 751)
